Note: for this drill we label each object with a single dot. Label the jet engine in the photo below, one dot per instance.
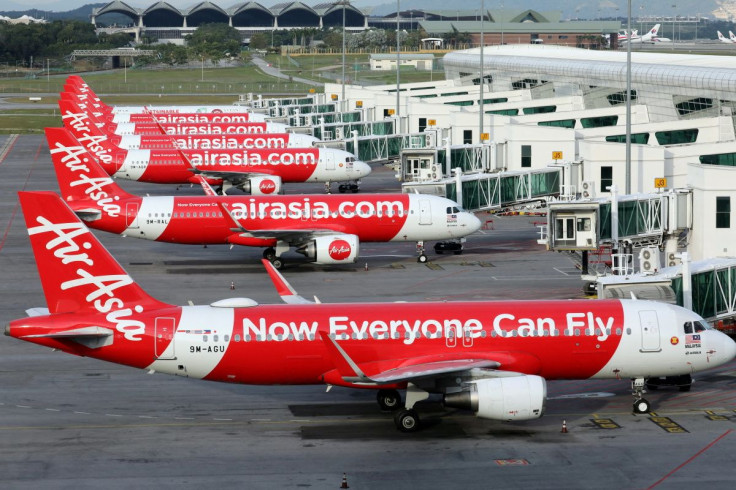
(507, 398)
(332, 249)
(264, 185)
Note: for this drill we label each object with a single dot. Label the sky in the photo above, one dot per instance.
(63, 5)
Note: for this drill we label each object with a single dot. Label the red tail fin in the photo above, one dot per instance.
(80, 87)
(80, 176)
(77, 272)
(79, 123)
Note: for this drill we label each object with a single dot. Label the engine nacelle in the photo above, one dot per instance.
(332, 249)
(507, 398)
(264, 185)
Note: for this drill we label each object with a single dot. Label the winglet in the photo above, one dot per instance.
(234, 225)
(347, 368)
(285, 290)
(208, 190)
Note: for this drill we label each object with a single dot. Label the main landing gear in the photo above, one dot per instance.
(270, 255)
(422, 258)
(405, 418)
(349, 187)
(641, 405)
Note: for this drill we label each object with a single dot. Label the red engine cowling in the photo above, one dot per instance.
(265, 185)
(507, 398)
(332, 249)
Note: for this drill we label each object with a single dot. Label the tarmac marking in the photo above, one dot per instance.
(691, 459)
(667, 424)
(511, 462)
(711, 415)
(607, 424)
(53, 410)
(17, 204)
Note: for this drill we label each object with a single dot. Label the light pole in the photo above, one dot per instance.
(343, 53)
(398, 63)
(202, 57)
(482, 113)
(628, 104)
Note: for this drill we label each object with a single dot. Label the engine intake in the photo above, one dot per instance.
(265, 185)
(509, 398)
(332, 249)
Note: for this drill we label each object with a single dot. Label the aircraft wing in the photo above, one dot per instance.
(289, 235)
(234, 177)
(409, 370)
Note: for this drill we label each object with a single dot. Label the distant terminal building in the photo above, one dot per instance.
(164, 22)
(168, 23)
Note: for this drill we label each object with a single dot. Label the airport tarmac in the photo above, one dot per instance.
(67, 422)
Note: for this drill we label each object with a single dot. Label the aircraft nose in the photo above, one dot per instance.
(728, 347)
(361, 169)
(472, 223)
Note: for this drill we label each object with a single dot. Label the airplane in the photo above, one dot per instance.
(71, 113)
(491, 357)
(154, 127)
(650, 37)
(245, 169)
(325, 229)
(724, 39)
(624, 36)
(731, 36)
(85, 89)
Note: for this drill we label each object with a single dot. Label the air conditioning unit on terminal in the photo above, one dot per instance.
(672, 259)
(587, 189)
(649, 260)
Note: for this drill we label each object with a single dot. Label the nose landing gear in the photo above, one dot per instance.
(641, 405)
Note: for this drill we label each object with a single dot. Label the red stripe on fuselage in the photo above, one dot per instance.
(562, 345)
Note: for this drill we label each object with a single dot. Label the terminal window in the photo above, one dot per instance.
(526, 155)
(723, 212)
(606, 178)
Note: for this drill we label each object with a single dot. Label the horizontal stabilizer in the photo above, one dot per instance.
(93, 337)
(38, 311)
(88, 214)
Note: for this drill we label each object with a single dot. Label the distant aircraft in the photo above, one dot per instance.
(492, 358)
(246, 169)
(624, 36)
(327, 229)
(650, 37)
(73, 114)
(725, 39)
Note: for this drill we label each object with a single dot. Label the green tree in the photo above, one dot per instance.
(214, 40)
(260, 41)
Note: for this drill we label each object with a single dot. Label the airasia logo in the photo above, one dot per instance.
(339, 250)
(267, 186)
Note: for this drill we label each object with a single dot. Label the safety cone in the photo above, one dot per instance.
(344, 483)
(366, 266)
(232, 284)
(564, 427)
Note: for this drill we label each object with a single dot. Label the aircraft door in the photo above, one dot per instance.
(425, 212)
(164, 333)
(650, 341)
(131, 214)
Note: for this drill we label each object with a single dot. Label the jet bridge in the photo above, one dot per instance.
(482, 191)
(633, 221)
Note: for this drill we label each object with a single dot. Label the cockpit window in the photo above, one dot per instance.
(453, 210)
(701, 325)
(350, 159)
(695, 327)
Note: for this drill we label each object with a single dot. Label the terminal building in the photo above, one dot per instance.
(554, 137)
(167, 23)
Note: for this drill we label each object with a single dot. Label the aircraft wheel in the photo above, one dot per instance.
(269, 254)
(422, 259)
(277, 262)
(388, 400)
(407, 420)
(641, 406)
